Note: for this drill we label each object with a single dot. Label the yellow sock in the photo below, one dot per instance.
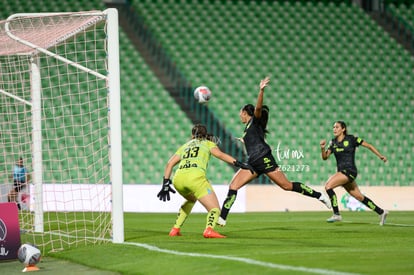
(212, 217)
(185, 210)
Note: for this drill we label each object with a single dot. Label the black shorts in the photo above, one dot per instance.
(351, 174)
(18, 185)
(265, 164)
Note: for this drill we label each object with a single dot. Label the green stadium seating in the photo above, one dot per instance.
(327, 61)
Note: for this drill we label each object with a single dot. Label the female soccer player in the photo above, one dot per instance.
(260, 157)
(191, 182)
(343, 146)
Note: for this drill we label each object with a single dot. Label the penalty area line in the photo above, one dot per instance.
(239, 259)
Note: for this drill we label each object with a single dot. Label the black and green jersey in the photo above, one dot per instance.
(254, 140)
(344, 152)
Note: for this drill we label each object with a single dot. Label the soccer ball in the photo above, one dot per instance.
(28, 254)
(202, 94)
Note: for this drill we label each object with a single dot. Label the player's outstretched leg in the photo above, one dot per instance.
(279, 178)
(307, 191)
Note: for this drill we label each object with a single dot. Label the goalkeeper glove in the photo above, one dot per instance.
(164, 194)
(243, 165)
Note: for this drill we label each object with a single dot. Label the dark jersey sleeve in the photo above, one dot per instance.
(357, 141)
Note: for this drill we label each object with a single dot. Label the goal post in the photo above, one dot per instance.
(115, 122)
(61, 112)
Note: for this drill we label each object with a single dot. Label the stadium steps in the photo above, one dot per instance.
(397, 19)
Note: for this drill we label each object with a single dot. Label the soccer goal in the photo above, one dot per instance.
(60, 113)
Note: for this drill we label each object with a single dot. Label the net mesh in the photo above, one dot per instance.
(74, 124)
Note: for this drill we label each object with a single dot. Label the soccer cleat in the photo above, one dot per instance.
(210, 233)
(175, 232)
(383, 217)
(325, 201)
(335, 218)
(221, 222)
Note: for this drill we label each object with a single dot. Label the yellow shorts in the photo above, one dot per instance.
(192, 183)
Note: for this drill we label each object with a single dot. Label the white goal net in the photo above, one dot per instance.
(60, 114)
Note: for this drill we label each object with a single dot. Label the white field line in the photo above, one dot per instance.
(243, 260)
(223, 257)
(239, 259)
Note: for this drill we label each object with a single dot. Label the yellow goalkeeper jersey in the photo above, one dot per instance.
(194, 155)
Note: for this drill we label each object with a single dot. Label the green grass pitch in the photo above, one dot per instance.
(256, 243)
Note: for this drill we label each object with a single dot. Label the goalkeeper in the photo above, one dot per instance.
(191, 182)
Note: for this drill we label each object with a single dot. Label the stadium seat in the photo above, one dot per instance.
(327, 61)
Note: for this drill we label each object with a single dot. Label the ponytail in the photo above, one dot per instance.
(264, 118)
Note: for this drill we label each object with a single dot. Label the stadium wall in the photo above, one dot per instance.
(271, 198)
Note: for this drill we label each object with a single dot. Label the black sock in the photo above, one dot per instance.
(228, 203)
(334, 201)
(368, 202)
(305, 190)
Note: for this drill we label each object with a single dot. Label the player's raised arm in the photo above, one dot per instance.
(258, 109)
